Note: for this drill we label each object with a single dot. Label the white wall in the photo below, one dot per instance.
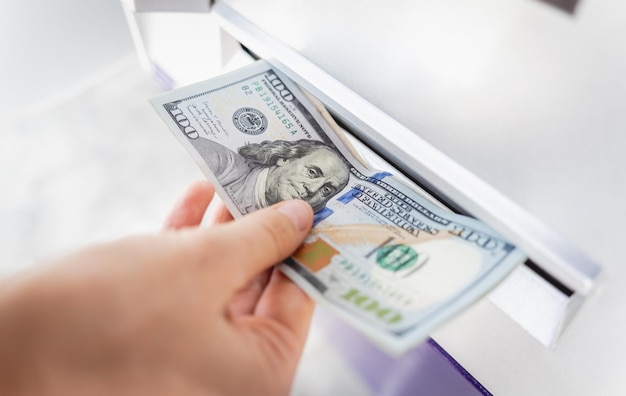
(50, 47)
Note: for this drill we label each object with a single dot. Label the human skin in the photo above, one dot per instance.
(185, 311)
(315, 178)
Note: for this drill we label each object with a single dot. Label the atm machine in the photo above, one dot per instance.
(511, 111)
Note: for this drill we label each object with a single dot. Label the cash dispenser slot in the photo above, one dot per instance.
(542, 296)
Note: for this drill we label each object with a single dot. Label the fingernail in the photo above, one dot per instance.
(298, 212)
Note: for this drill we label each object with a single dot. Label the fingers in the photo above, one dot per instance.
(190, 209)
(258, 241)
(246, 299)
(284, 302)
(220, 214)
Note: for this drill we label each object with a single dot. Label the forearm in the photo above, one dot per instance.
(34, 337)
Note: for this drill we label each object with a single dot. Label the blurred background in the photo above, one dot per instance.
(76, 121)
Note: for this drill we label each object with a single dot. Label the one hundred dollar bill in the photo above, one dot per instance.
(380, 254)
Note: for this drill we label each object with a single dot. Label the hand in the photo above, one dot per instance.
(187, 311)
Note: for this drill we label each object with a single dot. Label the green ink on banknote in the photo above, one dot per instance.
(396, 257)
(369, 305)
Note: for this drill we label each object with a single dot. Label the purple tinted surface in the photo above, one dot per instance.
(425, 370)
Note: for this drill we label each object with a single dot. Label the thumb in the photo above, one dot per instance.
(257, 241)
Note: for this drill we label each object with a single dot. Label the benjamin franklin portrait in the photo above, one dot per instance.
(262, 174)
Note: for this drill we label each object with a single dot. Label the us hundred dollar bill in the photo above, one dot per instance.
(380, 255)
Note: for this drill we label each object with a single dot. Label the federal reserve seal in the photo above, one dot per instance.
(250, 121)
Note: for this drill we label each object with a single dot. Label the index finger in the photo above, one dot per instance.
(220, 214)
(190, 209)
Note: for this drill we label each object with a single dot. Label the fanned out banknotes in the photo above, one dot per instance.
(380, 255)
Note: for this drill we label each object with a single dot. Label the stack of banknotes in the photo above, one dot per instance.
(380, 255)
